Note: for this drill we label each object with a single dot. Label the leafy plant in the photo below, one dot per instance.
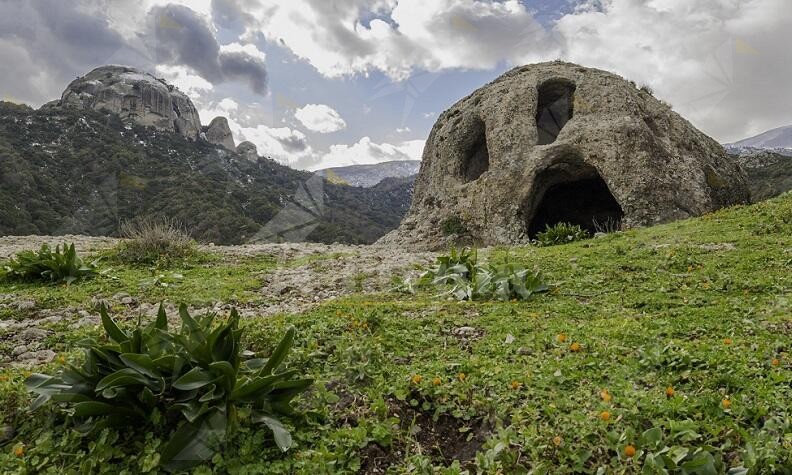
(453, 225)
(154, 241)
(561, 233)
(473, 281)
(196, 376)
(50, 266)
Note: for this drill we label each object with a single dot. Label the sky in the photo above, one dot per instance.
(321, 83)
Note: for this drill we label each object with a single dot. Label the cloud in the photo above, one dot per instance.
(723, 65)
(181, 36)
(320, 118)
(182, 77)
(365, 152)
(404, 35)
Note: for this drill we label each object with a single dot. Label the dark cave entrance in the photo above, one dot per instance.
(555, 107)
(574, 194)
(475, 156)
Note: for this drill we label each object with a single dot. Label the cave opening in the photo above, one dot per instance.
(555, 107)
(475, 156)
(574, 194)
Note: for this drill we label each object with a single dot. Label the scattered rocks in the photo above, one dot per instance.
(24, 305)
(32, 334)
(37, 357)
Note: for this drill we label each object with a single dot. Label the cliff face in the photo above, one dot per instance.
(135, 95)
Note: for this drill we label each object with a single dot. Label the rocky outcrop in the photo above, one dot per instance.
(769, 174)
(134, 95)
(248, 150)
(218, 133)
(557, 142)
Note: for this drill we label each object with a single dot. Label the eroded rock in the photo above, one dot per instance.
(557, 142)
(219, 133)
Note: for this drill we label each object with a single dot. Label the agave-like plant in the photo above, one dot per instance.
(48, 265)
(470, 280)
(197, 375)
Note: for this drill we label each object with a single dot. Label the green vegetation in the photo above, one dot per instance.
(453, 226)
(658, 349)
(198, 373)
(159, 242)
(58, 266)
(470, 280)
(68, 171)
(561, 233)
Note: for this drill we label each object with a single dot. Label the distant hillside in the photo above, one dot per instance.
(370, 175)
(64, 170)
(769, 174)
(777, 140)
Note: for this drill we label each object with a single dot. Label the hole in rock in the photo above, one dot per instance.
(555, 107)
(574, 194)
(475, 158)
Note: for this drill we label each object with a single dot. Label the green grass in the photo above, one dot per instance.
(650, 308)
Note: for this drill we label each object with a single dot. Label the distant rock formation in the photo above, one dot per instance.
(248, 150)
(135, 95)
(557, 142)
(370, 174)
(218, 133)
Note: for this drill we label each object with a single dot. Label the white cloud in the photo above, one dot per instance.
(320, 118)
(725, 65)
(184, 79)
(430, 35)
(248, 49)
(365, 151)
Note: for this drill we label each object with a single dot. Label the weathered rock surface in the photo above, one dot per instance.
(219, 133)
(556, 142)
(134, 95)
(248, 150)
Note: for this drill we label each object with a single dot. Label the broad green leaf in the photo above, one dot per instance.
(282, 436)
(141, 363)
(194, 379)
(111, 328)
(280, 353)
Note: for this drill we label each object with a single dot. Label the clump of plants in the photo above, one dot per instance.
(48, 265)
(155, 241)
(194, 381)
(561, 233)
(453, 225)
(470, 280)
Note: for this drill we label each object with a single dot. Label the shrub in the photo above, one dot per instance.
(473, 281)
(561, 233)
(50, 266)
(453, 225)
(196, 376)
(607, 226)
(154, 241)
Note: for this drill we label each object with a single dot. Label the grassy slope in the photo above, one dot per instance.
(651, 308)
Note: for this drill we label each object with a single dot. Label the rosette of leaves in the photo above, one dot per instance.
(52, 266)
(561, 233)
(470, 280)
(196, 378)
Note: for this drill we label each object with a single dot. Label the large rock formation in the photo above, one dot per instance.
(248, 150)
(557, 142)
(135, 95)
(219, 133)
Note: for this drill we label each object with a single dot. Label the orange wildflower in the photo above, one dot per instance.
(436, 381)
(461, 376)
(629, 451)
(557, 441)
(605, 395)
(727, 341)
(775, 362)
(670, 391)
(19, 450)
(416, 379)
(516, 384)
(561, 338)
(575, 347)
(726, 403)
(605, 416)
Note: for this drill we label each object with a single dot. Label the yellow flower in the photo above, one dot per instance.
(561, 338)
(775, 362)
(516, 384)
(62, 359)
(605, 395)
(605, 416)
(629, 451)
(461, 376)
(557, 441)
(19, 450)
(416, 379)
(575, 347)
(436, 381)
(670, 391)
(727, 341)
(726, 403)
